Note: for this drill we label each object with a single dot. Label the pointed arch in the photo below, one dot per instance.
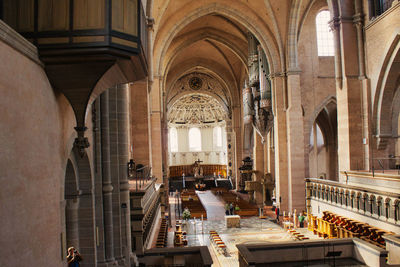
(386, 92)
(254, 24)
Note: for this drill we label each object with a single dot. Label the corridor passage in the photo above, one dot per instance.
(213, 205)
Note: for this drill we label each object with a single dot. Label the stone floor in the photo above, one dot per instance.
(252, 230)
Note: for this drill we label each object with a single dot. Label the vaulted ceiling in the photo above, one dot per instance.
(213, 50)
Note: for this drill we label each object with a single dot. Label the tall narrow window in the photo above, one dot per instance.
(217, 136)
(173, 139)
(194, 139)
(324, 35)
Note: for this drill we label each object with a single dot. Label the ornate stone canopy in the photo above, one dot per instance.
(196, 83)
(196, 109)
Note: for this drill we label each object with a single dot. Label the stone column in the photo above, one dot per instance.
(295, 137)
(106, 175)
(230, 149)
(349, 94)
(114, 159)
(71, 222)
(237, 146)
(248, 114)
(269, 164)
(258, 167)
(281, 157)
(98, 182)
(123, 158)
(156, 133)
(139, 121)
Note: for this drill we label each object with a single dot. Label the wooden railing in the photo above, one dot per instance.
(208, 170)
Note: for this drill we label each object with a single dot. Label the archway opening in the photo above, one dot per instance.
(197, 131)
(322, 154)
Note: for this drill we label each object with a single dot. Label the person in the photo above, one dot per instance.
(277, 214)
(301, 219)
(231, 208)
(237, 209)
(73, 257)
(226, 209)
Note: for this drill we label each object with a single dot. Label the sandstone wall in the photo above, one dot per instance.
(33, 136)
(379, 36)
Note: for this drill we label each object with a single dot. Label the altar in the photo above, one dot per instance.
(232, 221)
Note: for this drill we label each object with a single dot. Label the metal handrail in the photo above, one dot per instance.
(383, 164)
(141, 175)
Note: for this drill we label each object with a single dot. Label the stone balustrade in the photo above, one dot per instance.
(378, 208)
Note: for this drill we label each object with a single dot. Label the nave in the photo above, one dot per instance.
(253, 230)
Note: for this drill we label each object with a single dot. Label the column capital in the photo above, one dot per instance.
(293, 71)
(334, 24)
(277, 74)
(358, 19)
(150, 23)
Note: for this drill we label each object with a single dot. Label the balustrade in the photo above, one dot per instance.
(366, 201)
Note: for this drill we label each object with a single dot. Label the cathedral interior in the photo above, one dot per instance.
(200, 133)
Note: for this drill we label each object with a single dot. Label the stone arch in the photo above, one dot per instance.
(292, 51)
(396, 210)
(386, 93)
(328, 101)
(372, 204)
(83, 206)
(257, 27)
(71, 196)
(379, 205)
(111, 78)
(325, 116)
(293, 30)
(214, 70)
(209, 34)
(71, 178)
(388, 204)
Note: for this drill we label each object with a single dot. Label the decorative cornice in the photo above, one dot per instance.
(19, 43)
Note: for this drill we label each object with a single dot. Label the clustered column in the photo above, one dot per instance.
(111, 159)
(123, 158)
(106, 174)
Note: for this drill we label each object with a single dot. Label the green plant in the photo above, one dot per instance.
(186, 214)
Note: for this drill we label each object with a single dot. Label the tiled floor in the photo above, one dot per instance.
(252, 230)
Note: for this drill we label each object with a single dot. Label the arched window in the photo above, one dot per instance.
(194, 139)
(324, 35)
(173, 139)
(217, 136)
